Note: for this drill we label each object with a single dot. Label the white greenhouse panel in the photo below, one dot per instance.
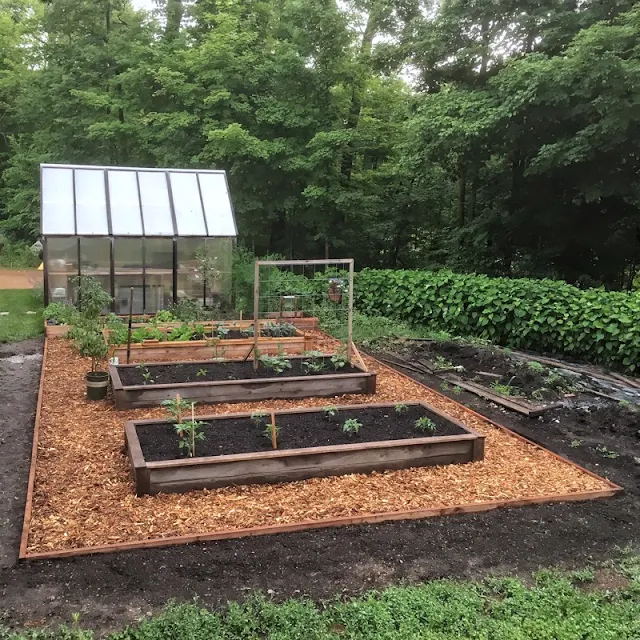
(91, 203)
(187, 204)
(124, 203)
(156, 208)
(217, 204)
(57, 202)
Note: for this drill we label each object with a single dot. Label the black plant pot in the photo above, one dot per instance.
(97, 383)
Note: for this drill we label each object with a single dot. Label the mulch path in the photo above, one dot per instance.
(84, 495)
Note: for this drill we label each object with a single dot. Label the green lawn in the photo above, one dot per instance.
(18, 325)
(553, 607)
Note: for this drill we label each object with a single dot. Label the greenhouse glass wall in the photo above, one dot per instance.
(136, 228)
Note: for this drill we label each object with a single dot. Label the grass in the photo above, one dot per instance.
(18, 325)
(555, 607)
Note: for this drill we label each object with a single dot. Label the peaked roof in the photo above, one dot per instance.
(129, 201)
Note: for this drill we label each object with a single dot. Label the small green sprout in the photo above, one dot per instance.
(330, 411)
(457, 390)
(266, 431)
(425, 424)
(259, 417)
(201, 373)
(401, 408)
(351, 426)
(607, 453)
(574, 444)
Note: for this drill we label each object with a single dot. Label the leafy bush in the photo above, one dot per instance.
(542, 315)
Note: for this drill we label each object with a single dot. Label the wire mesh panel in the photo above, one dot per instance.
(300, 291)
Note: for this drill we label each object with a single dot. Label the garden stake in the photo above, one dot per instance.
(130, 320)
(249, 353)
(274, 440)
(193, 430)
(179, 410)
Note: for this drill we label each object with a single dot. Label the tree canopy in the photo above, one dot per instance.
(496, 136)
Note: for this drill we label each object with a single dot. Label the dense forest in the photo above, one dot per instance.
(495, 136)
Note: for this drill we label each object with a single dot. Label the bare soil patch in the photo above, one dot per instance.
(20, 279)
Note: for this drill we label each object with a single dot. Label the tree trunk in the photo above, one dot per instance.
(174, 11)
(462, 191)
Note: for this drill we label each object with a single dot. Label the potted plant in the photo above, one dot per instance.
(90, 343)
(86, 332)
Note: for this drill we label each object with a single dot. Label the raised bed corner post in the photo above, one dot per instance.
(256, 312)
(350, 312)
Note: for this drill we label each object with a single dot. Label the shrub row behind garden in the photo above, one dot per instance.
(541, 315)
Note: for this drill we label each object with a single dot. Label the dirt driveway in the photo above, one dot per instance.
(23, 279)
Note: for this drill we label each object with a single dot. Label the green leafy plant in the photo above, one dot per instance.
(457, 390)
(425, 424)
(574, 444)
(441, 363)
(177, 407)
(351, 426)
(445, 386)
(90, 343)
(147, 377)
(401, 408)
(259, 417)
(606, 452)
(502, 388)
(222, 332)
(165, 316)
(201, 373)
(536, 366)
(330, 411)
(314, 362)
(189, 433)
(91, 298)
(277, 363)
(339, 360)
(58, 312)
(267, 432)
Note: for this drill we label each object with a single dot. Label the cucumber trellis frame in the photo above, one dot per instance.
(288, 293)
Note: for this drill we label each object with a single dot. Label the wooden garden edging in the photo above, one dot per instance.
(245, 390)
(611, 490)
(288, 465)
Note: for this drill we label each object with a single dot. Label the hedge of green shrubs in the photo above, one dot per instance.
(541, 315)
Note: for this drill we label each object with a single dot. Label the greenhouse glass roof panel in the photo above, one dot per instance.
(129, 201)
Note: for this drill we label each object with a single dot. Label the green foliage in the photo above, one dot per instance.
(259, 417)
(605, 452)
(502, 388)
(313, 362)
(201, 373)
(18, 325)
(330, 411)
(401, 408)
(189, 432)
(540, 315)
(92, 299)
(351, 426)
(17, 255)
(147, 376)
(425, 424)
(278, 363)
(268, 430)
(90, 343)
(177, 407)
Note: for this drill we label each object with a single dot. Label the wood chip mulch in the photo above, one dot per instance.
(84, 495)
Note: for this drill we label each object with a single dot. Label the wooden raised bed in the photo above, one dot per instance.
(298, 319)
(247, 389)
(229, 349)
(286, 465)
(55, 330)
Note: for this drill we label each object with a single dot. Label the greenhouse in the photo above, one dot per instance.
(150, 230)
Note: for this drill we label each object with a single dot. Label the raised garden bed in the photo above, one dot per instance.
(310, 443)
(236, 342)
(210, 381)
(300, 319)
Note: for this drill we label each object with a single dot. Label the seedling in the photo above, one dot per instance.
(175, 408)
(351, 426)
(330, 411)
(442, 363)
(574, 444)
(501, 388)
(222, 332)
(339, 360)
(314, 363)
(270, 432)
(401, 408)
(444, 386)
(201, 373)
(147, 378)
(607, 453)
(425, 424)
(189, 432)
(259, 417)
(457, 390)
(536, 366)
(278, 363)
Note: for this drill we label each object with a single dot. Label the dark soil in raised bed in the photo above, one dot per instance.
(218, 371)
(238, 334)
(296, 431)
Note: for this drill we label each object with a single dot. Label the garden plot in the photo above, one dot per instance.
(209, 381)
(83, 500)
(282, 446)
(151, 343)
(514, 380)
